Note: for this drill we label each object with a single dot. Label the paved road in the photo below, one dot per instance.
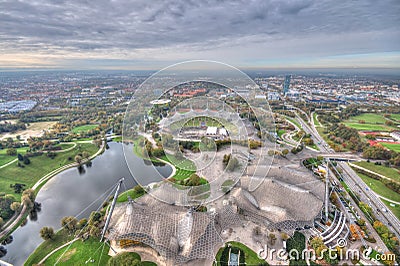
(366, 195)
(357, 185)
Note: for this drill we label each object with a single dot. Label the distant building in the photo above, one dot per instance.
(211, 131)
(273, 96)
(286, 84)
(395, 135)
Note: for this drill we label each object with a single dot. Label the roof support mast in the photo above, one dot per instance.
(111, 209)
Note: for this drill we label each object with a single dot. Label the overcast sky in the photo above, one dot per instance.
(144, 34)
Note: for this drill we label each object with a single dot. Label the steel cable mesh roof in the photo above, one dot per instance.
(178, 235)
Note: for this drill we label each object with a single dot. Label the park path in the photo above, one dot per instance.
(9, 163)
(57, 249)
(387, 199)
(372, 172)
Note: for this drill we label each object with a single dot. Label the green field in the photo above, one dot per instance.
(184, 168)
(395, 117)
(369, 118)
(373, 122)
(293, 120)
(316, 121)
(123, 197)
(48, 245)
(367, 127)
(208, 121)
(84, 128)
(80, 252)
(381, 169)
(380, 188)
(4, 158)
(395, 210)
(280, 132)
(65, 146)
(39, 166)
(250, 256)
(391, 146)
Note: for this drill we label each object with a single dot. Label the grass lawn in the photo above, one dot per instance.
(367, 127)
(395, 117)
(395, 210)
(39, 166)
(123, 197)
(48, 245)
(250, 256)
(198, 122)
(81, 251)
(380, 188)
(64, 146)
(369, 118)
(391, 146)
(316, 121)
(84, 128)
(373, 122)
(4, 158)
(280, 132)
(117, 139)
(184, 168)
(293, 120)
(381, 169)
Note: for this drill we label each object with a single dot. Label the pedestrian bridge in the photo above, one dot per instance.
(341, 156)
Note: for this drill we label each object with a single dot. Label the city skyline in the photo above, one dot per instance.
(256, 34)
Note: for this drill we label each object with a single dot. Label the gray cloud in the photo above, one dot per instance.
(76, 25)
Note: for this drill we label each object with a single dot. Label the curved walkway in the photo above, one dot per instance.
(7, 164)
(57, 249)
(391, 201)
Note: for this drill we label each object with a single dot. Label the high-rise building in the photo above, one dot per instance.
(286, 85)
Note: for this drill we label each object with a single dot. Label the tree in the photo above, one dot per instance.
(27, 201)
(15, 206)
(11, 152)
(78, 159)
(30, 193)
(47, 233)
(70, 223)
(285, 152)
(125, 259)
(85, 155)
(257, 230)
(272, 239)
(26, 160)
(94, 231)
(82, 223)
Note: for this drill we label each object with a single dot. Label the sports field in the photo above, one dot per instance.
(391, 146)
(370, 122)
(395, 117)
(84, 128)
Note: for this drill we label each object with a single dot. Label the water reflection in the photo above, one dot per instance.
(70, 192)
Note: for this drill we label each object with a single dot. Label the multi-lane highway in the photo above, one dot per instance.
(353, 180)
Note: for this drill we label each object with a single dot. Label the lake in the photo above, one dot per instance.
(72, 192)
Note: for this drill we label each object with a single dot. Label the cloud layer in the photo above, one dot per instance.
(237, 31)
